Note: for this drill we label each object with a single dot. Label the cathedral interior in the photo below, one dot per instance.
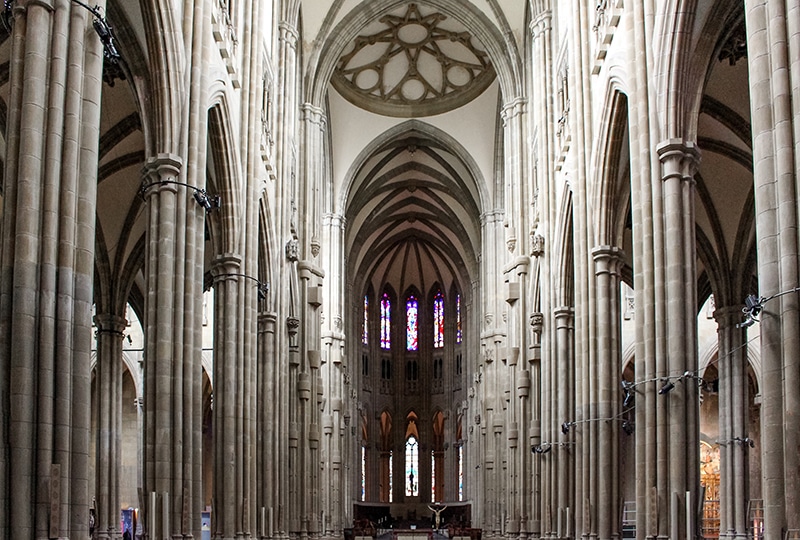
(402, 270)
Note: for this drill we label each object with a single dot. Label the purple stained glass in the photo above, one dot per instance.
(365, 333)
(438, 321)
(386, 309)
(412, 324)
(458, 319)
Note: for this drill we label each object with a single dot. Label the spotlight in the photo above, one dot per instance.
(541, 448)
(263, 290)
(628, 427)
(629, 394)
(208, 202)
(747, 322)
(565, 427)
(745, 441)
(104, 31)
(753, 305)
(669, 385)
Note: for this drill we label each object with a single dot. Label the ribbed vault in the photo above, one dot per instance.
(413, 219)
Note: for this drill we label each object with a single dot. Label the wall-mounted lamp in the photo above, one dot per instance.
(569, 424)
(206, 201)
(630, 396)
(628, 427)
(754, 305)
(263, 288)
(104, 30)
(545, 447)
(669, 382)
(744, 441)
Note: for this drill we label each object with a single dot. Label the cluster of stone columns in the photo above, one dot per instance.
(108, 400)
(771, 55)
(172, 369)
(46, 267)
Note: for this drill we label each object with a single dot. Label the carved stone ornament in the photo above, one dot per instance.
(537, 321)
(511, 239)
(511, 243)
(537, 244)
(315, 246)
(292, 250)
(413, 61)
(292, 323)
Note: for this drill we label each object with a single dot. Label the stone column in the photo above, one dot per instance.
(563, 507)
(286, 346)
(733, 423)
(517, 390)
(172, 356)
(269, 431)
(608, 263)
(772, 52)
(540, 491)
(233, 435)
(108, 400)
(47, 269)
(679, 160)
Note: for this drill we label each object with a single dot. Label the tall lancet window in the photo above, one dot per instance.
(363, 473)
(391, 478)
(386, 323)
(458, 319)
(365, 332)
(412, 467)
(438, 320)
(460, 473)
(433, 476)
(412, 324)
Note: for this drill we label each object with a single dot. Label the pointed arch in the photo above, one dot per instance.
(226, 181)
(612, 192)
(564, 252)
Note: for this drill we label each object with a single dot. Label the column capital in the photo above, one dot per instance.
(25, 4)
(679, 159)
(337, 221)
(267, 322)
(224, 265)
(728, 316)
(288, 33)
(162, 165)
(314, 115)
(563, 315)
(513, 109)
(110, 323)
(159, 174)
(541, 24)
(607, 259)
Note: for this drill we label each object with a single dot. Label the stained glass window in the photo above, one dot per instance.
(391, 478)
(438, 321)
(412, 467)
(386, 309)
(460, 473)
(458, 319)
(433, 476)
(365, 332)
(412, 326)
(363, 473)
